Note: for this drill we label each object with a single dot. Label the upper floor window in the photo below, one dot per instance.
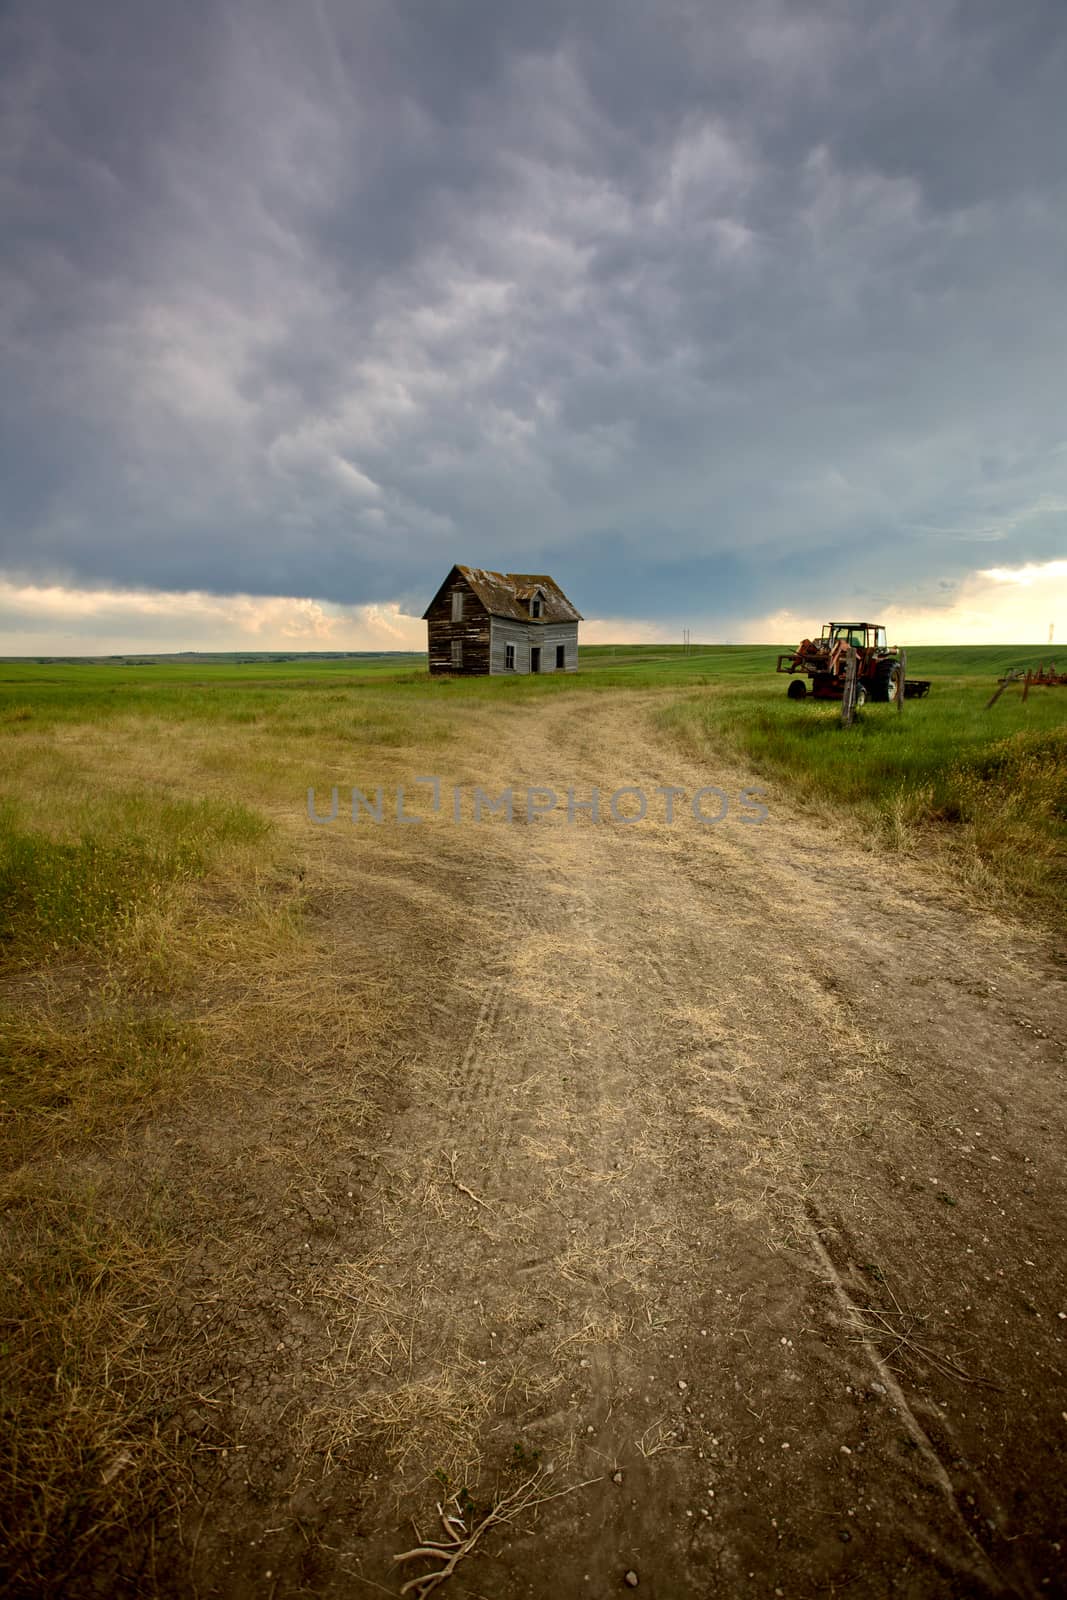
(535, 606)
(457, 605)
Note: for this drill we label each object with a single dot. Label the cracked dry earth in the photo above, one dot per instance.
(718, 1181)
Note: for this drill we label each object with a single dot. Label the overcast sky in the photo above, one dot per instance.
(729, 315)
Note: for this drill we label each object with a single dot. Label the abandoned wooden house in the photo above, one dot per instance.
(481, 622)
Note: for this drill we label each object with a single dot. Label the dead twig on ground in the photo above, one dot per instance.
(462, 1187)
(458, 1543)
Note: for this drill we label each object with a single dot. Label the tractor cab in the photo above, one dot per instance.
(861, 635)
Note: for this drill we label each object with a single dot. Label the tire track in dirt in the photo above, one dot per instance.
(952, 1488)
(827, 989)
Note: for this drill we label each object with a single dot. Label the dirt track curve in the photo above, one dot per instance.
(724, 1176)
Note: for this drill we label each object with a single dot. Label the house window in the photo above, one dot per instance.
(535, 608)
(509, 658)
(561, 657)
(457, 605)
(457, 652)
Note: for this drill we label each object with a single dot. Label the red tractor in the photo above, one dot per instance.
(823, 661)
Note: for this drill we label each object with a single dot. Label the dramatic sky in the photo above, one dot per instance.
(731, 315)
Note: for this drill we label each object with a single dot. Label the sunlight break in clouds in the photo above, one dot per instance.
(1033, 572)
(53, 620)
(1003, 605)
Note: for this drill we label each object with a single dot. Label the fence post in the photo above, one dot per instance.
(848, 699)
(900, 680)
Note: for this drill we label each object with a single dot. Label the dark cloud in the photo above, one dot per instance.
(675, 300)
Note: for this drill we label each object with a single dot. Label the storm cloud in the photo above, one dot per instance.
(707, 309)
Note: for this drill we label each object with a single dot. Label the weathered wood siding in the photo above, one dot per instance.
(523, 635)
(472, 631)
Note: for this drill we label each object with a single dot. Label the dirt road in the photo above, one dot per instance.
(719, 1190)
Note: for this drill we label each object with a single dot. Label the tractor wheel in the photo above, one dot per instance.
(885, 684)
(797, 689)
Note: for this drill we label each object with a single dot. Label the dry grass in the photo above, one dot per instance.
(426, 1403)
(437, 1418)
(87, 1462)
(659, 1438)
(64, 1082)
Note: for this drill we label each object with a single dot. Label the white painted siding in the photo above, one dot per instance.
(523, 635)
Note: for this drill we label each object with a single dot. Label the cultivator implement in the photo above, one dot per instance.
(1044, 676)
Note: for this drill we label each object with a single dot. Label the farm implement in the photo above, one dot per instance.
(1044, 676)
(850, 659)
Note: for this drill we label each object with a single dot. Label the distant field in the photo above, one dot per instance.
(167, 681)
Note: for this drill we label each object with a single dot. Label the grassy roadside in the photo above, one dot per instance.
(983, 792)
(95, 883)
(156, 967)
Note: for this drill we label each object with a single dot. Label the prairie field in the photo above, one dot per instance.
(346, 1168)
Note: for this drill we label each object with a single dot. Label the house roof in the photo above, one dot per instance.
(508, 594)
